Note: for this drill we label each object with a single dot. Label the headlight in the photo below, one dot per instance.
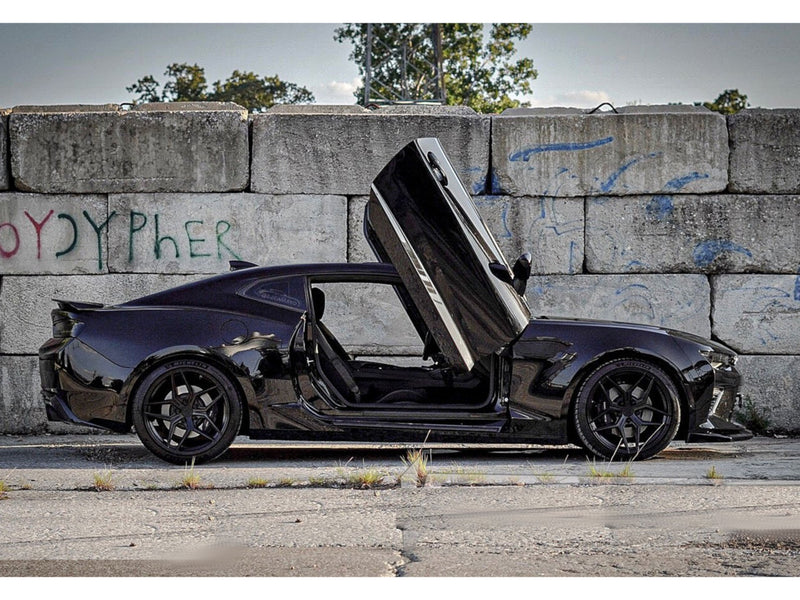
(719, 359)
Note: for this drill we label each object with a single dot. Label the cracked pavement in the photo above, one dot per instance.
(291, 510)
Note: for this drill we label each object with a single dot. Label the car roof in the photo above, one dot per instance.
(230, 282)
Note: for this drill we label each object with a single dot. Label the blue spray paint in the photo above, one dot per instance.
(659, 207)
(525, 154)
(707, 252)
(609, 183)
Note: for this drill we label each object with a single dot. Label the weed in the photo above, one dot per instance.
(317, 481)
(286, 482)
(752, 418)
(3, 490)
(713, 474)
(366, 479)
(257, 482)
(417, 460)
(603, 473)
(190, 479)
(545, 477)
(103, 482)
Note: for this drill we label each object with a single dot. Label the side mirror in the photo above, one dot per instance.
(522, 272)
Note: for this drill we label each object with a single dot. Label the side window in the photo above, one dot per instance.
(287, 292)
(368, 319)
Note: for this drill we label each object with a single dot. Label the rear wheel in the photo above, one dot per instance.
(626, 409)
(187, 410)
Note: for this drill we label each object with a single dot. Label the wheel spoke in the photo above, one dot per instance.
(185, 436)
(207, 420)
(173, 424)
(607, 411)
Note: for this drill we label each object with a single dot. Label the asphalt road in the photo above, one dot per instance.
(275, 509)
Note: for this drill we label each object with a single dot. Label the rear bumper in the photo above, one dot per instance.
(75, 394)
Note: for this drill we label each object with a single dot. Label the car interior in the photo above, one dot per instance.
(360, 382)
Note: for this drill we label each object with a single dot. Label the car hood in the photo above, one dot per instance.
(421, 218)
(638, 327)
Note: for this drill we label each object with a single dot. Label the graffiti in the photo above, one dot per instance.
(706, 252)
(146, 236)
(525, 154)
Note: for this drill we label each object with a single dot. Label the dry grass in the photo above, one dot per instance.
(103, 482)
(3, 490)
(603, 473)
(366, 479)
(191, 480)
(713, 474)
(257, 482)
(417, 460)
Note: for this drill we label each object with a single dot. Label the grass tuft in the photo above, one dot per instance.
(417, 460)
(257, 482)
(3, 490)
(191, 479)
(103, 482)
(713, 474)
(602, 473)
(366, 479)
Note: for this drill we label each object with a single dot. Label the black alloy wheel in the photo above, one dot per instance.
(627, 409)
(187, 410)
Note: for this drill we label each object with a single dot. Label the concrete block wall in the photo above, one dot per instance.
(666, 215)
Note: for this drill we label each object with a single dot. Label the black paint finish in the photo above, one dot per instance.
(496, 375)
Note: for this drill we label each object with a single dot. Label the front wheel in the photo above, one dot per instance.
(626, 409)
(186, 410)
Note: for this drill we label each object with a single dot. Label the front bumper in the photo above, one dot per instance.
(717, 407)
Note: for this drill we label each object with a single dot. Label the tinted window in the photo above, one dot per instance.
(287, 292)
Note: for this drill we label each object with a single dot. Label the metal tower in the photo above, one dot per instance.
(419, 69)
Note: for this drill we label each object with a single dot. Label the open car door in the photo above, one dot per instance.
(421, 219)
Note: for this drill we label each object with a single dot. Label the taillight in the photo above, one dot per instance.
(64, 324)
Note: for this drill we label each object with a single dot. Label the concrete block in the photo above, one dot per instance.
(321, 149)
(21, 405)
(641, 150)
(176, 147)
(757, 314)
(765, 151)
(551, 229)
(679, 302)
(4, 160)
(26, 302)
(693, 234)
(53, 234)
(771, 383)
(358, 249)
(189, 233)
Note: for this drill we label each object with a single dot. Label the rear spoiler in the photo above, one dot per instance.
(72, 305)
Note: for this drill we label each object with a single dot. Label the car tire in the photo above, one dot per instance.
(186, 410)
(626, 409)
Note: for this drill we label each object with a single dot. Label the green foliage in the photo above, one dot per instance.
(187, 83)
(3, 490)
(479, 70)
(728, 102)
(752, 418)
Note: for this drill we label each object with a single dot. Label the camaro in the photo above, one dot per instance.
(248, 353)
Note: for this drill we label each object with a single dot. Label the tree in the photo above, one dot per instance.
(479, 70)
(187, 83)
(728, 102)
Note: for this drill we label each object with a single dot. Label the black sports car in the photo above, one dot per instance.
(247, 352)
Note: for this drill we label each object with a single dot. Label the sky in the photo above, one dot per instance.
(579, 64)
